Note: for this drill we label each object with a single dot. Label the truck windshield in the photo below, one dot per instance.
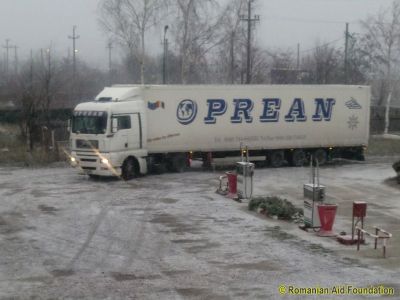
(90, 122)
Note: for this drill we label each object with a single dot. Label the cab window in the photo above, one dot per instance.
(124, 122)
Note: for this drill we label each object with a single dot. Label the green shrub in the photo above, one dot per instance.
(275, 206)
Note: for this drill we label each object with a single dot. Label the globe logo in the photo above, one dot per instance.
(186, 111)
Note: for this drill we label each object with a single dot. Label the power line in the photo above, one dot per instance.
(297, 20)
(323, 45)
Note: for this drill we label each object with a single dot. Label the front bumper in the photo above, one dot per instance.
(90, 163)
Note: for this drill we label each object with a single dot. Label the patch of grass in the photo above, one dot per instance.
(275, 206)
(382, 146)
(14, 150)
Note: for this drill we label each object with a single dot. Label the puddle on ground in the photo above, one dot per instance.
(189, 241)
(175, 225)
(176, 272)
(14, 191)
(47, 209)
(168, 200)
(277, 233)
(43, 279)
(62, 272)
(264, 265)
(129, 276)
(39, 194)
(11, 222)
(201, 293)
(199, 248)
(188, 292)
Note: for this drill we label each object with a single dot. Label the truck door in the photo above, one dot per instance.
(135, 134)
(129, 134)
(120, 141)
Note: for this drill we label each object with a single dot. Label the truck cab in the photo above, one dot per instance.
(107, 135)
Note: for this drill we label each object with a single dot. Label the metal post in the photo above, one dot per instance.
(74, 37)
(232, 57)
(384, 248)
(7, 47)
(249, 21)
(109, 47)
(248, 73)
(165, 42)
(346, 54)
(298, 57)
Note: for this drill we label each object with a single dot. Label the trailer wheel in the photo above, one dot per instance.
(129, 169)
(178, 163)
(321, 156)
(297, 158)
(277, 158)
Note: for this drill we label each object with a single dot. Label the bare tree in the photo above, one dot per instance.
(381, 42)
(358, 65)
(259, 66)
(128, 22)
(36, 88)
(228, 54)
(283, 67)
(324, 63)
(197, 31)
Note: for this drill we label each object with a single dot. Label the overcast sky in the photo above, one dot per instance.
(284, 23)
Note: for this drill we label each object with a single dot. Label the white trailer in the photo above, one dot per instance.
(131, 129)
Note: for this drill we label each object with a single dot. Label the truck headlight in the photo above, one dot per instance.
(104, 161)
(73, 159)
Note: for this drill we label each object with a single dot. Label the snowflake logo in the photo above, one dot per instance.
(353, 122)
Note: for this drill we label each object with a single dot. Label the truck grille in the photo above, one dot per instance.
(89, 159)
(87, 144)
(89, 168)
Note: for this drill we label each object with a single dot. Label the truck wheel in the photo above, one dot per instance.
(178, 163)
(298, 158)
(277, 158)
(321, 156)
(129, 169)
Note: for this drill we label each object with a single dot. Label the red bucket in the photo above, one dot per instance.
(232, 184)
(327, 213)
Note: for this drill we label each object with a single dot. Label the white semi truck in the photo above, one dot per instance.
(132, 129)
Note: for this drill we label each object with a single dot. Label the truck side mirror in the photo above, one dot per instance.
(114, 125)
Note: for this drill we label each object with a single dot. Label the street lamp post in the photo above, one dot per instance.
(164, 71)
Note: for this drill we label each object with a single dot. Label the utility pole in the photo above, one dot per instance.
(48, 50)
(346, 46)
(250, 22)
(74, 37)
(298, 56)
(31, 74)
(15, 60)
(232, 57)
(109, 47)
(7, 47)
(165, 42)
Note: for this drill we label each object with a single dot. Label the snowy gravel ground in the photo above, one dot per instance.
(171, 236)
